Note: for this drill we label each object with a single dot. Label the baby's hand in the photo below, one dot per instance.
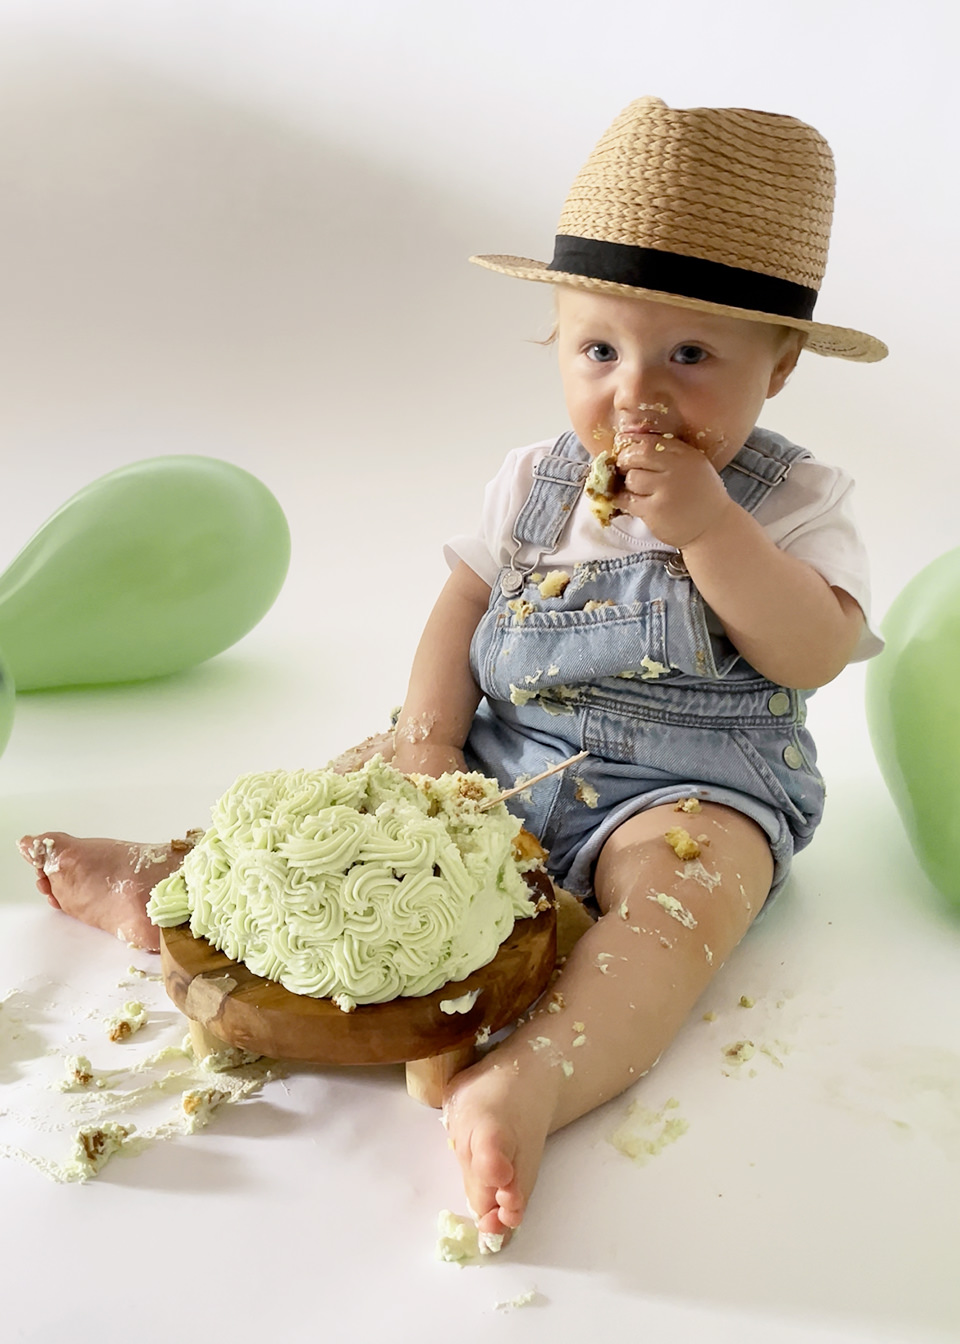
(426, 758)
(673, 486)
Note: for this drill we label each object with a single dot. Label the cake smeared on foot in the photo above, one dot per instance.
(103, 883)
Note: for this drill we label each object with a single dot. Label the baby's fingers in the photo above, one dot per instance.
(640, 481)
(644, 453)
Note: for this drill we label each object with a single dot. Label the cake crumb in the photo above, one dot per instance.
(746, 1001)
(709, 1017)
(739, 1052)
(528, 1299)
(93, 1147)
(198, 1105)
(79, 1075)
(688, 805)
(674, 909)
(461, 1005)
(458, 1241)
(644, 1133)
(682, 843)
(127, 1022)
(521, 608)
(554, 583)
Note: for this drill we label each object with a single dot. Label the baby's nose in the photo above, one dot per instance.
(642, 392)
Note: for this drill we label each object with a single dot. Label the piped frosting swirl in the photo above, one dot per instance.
(371, 884)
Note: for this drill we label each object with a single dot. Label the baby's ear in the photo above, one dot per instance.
(793, 343)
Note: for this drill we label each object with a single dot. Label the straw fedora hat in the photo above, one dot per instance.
(721, 209)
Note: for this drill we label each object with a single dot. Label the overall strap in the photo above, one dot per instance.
(762, 463)
(557, 482)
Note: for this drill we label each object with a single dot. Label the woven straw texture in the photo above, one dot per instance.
(749, 189)
(744, 188)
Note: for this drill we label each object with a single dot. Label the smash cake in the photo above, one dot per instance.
(602, 483)
(359, 887)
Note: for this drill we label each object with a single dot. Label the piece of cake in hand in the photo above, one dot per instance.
(602, 484)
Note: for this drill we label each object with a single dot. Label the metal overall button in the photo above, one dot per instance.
(511, 584)
(792, 757)
(676, 567)
(779, 703)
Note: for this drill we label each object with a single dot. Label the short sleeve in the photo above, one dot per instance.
(490, 548)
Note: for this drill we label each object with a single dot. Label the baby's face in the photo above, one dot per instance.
(634, 367)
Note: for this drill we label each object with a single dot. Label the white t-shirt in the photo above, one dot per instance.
(809, 515)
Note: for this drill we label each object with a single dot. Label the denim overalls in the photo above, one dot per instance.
(630, 664)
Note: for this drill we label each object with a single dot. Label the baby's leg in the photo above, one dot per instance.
(623, 994)
(105, 883)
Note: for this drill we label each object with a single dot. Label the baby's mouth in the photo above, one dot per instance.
(628, 434)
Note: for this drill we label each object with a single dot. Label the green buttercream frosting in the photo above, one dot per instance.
(371, 884)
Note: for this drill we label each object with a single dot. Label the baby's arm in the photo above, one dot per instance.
(779, 613)
(442, 695)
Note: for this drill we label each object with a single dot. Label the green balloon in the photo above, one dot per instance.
(7, 699)
(913, 709)
(148, 570)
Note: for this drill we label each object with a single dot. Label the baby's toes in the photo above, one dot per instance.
(490, 1155)
(34, 850)
(511, 1206)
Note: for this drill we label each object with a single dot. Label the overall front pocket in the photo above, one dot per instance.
(516, 654)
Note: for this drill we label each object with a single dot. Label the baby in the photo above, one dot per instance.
(673, 639)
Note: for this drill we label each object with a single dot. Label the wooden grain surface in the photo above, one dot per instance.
(245, 1010)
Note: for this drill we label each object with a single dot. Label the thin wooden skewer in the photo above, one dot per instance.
(519, 788)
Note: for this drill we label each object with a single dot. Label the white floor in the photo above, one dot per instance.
(202, 260)
(814, 1200)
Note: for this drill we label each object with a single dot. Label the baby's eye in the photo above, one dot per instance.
(600, 352)
(689, 354)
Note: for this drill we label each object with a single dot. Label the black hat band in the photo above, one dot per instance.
(690, 277)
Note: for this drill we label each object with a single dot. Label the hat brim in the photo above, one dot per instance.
(822, 339)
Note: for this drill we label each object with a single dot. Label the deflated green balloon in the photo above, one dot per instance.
(146, 571)
(7, 699)
(913, 709)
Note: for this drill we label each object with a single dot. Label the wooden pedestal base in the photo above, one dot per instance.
(227, 1005)
(427, 1078)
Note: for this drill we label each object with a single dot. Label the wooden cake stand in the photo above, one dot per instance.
(227, 1005)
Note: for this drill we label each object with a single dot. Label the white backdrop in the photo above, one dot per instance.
(241, 229)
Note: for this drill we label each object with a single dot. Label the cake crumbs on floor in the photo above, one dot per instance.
(644, 1133)
(127, 1022)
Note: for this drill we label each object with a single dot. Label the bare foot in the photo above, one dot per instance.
(498, 1120)
(104, 883)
